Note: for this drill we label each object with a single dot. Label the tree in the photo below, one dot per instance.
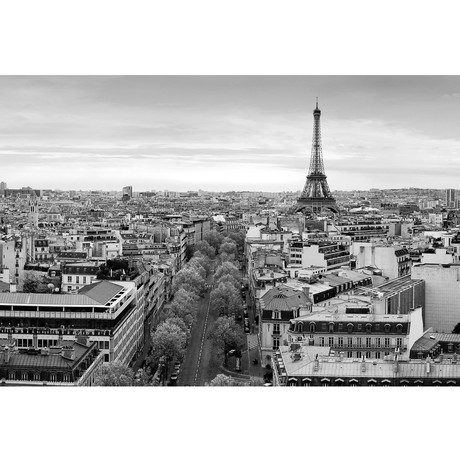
(229, 279)
(180, 323)
(205, 248)
(203, 260)
(227, 268)
(227, 335)
(222, 380)
(168, 341)
(238, 238)
(195, 264)
(456, 329)
(226, 298)
(229, 247)
(114, 375)
(214, 239)
(189, 279)
(189, 251)
(37, 284)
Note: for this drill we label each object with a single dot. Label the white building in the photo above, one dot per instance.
(394, 261)
(442, 295)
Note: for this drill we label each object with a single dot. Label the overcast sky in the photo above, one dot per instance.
(228, 133)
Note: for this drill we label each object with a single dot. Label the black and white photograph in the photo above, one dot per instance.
(263, 242)
(221, 222)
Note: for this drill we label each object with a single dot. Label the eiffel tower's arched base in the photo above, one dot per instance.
(316, 206)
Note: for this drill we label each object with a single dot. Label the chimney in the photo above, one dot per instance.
(6, 355)
(306, 291)
(82, 339)
(68, 353)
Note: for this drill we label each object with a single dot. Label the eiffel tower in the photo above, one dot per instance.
(316, 196)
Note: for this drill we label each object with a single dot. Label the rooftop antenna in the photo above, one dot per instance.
(316, 101)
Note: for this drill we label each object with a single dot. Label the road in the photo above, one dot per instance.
(193, 356)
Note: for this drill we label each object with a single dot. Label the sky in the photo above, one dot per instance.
(222, 133)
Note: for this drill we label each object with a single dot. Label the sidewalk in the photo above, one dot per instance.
(255, 370)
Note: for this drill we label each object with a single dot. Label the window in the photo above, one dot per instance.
(36, 376)
(350, 342)
(331, 341)
(387, 342)
(399, 342)
(358, 354)
(359, 342)
(276, 343)
(312, 327)
(331, 327)
(377, 355)
(368, 342)
(299, 327)
(368, 328)
(84, 280)
(276, 315)
(53, 377)
(349, 354)
(69, 279)
(387, 328)
(40, 343)
(378, 344)
(77, 279)
(350, 328)
(368, 354)
(340, 342)
(399, 328)
(276, 329)
(321, 341)
(69, 288)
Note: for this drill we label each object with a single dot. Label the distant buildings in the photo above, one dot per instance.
(450, 198)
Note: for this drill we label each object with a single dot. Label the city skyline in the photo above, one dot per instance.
(228, 133)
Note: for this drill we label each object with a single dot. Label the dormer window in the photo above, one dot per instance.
(368, 328)
(300, 327)
(331, 327)
(399, 328)
(276, 314)
(387, 328)
(312, 327)
(350, 328)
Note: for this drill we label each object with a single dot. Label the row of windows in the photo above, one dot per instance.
(77, 279)
(350, 327)
(27, 376)
(357, 342)
(370, 382)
